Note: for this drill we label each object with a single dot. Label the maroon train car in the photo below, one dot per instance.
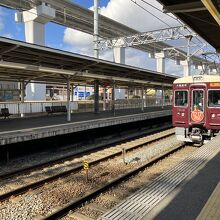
(196, 107)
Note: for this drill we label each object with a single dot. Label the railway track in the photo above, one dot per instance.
(98, 176)
(79, 153)
(76, 203)
(99, 205)
(73, 165)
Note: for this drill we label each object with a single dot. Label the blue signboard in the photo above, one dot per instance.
(82, 94)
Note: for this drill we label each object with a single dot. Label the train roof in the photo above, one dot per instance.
(198, 78)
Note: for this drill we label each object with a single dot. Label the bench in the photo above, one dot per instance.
(211, 209)
(55, 109)
(5, 113)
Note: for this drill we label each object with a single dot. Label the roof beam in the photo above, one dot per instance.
(185, 7)
(8, 49)
(57, 72)
(212, 10)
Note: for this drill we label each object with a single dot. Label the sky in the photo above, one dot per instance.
(124, 11)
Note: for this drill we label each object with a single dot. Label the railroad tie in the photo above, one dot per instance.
(140, 203)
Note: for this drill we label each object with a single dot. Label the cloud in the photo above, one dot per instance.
(130, 14)
(2, 24)
(8, 35)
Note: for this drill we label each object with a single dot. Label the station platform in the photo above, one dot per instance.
(180, 193)
(14, 130)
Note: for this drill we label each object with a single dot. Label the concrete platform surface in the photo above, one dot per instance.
(24, 129)
(179, 193)
(211, 210)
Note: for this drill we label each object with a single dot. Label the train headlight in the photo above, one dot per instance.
(213, 115)
(183, 114)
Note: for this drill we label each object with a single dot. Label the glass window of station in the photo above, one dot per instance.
(181, 98)
(214, 98)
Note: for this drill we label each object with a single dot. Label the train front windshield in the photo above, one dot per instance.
(198, 100)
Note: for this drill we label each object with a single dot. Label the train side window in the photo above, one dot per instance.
(181, 98)
(214, 98)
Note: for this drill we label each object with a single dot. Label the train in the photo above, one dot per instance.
(196, 108)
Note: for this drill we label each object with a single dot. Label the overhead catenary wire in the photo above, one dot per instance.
(135, 2)
(173, 17)
(176, 19)
(181, 23)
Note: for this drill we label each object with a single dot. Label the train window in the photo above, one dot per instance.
(181, 98)
(214, 98)
(198, 100)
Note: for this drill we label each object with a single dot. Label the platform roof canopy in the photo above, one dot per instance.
(27, 62)
(203, 16)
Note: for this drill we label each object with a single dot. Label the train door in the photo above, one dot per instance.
(197, 108)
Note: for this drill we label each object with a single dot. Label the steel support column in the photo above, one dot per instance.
(96, 28)
(72, 93)
(142, 99)
(145, 96)
(96, 96)
(68, 101)
(113, 98)
(104, 99)
(22, 90)
(162, 95)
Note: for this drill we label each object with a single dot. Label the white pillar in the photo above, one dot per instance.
(68, 101)
(34, 22)
(186, 67)
(119, 55)
(160, 58)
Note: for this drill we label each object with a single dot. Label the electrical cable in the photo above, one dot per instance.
(176, 19)
(134, 1)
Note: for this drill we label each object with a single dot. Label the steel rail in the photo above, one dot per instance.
(75, 203)
(81, 153)
(38, 184)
